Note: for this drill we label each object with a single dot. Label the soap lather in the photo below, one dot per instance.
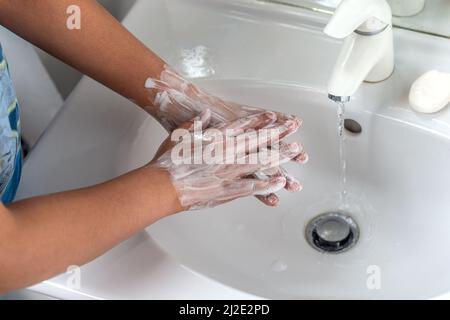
(430, 93)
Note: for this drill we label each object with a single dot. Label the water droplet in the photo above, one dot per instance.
(279, 266)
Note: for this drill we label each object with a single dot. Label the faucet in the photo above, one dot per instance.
(368, 50)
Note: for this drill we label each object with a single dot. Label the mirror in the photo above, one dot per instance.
(428, 16)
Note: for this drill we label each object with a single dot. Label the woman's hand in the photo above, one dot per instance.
(175, 100)
(214, 165)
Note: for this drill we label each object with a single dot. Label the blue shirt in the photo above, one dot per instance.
(10, 143)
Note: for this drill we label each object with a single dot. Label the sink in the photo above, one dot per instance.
(275, 57)
(396, 195)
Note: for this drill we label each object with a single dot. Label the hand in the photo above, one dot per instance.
(228, 174)
(178, 100)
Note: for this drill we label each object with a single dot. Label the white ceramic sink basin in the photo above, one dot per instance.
(397, 197)
(277, 58)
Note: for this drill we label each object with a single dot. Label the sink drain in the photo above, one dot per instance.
(332, 232)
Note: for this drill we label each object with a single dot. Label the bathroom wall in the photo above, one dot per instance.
(65, 77)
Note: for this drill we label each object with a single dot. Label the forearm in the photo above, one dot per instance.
(41, 237)
(102, 49)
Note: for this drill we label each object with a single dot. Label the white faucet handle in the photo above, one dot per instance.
(366, 16)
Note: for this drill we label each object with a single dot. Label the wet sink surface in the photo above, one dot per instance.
(274, 57)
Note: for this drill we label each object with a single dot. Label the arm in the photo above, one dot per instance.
(102, 49)
(41, 237)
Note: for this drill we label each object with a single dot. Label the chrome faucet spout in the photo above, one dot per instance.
(340, 99)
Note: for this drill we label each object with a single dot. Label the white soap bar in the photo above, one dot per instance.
(431, 92)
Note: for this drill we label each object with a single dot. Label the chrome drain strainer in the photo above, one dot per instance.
(332, 232)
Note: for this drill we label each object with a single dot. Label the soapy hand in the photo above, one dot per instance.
(211, 165)
(175, 100)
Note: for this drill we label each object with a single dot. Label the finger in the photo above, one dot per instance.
(288, 126)
(233, 171)
(302, 158)
(250, 141)
(251, 122)
(282, 144)
(270, 200)
(292, 184)
(266, 130)
(264, 138)
(247, 187)
(256, 170)
(271, 158)
(261, 167)
(281, 117)
(267, 187)
(272, 135)
(260, 161)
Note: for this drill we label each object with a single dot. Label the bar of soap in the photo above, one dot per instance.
(431, 92)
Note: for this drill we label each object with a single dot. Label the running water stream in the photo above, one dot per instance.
(342, 154)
